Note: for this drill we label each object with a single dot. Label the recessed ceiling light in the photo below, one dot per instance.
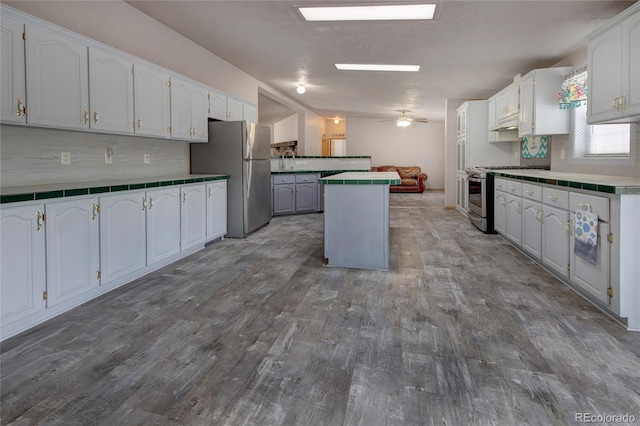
(369, 13)
(374, 67)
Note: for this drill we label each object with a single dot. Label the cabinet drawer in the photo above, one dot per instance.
(533, 192)
(514, 187)
(598, 205)
(283, 179)
(306, 178)
(500, 184)
(555, 197)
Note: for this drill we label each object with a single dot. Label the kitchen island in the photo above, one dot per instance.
(356, 219)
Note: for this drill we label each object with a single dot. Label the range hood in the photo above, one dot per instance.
(511, 125)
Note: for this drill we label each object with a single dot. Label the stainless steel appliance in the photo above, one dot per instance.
(480, 195)
(240, 149)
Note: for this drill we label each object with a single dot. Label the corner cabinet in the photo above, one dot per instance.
(540, 114)
(614, 68)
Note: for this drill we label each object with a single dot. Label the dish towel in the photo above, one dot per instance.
(586, 236)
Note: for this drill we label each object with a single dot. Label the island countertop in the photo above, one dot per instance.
(363, 178)
(13, 194)
(592, 182)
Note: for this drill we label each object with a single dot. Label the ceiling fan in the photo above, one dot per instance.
(405, 121)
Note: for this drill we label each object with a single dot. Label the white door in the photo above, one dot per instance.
(217, 106)
(594, 279)
(338, 147)
(122, 235)
(73, 251)
(57, 80)
(500, 213)
(111, 91)
(235, 110)
(180, 109)
(193, 228)
(532, 228)
(514, 219)
(605, 75)
(631, 64)
(151, 101)
(199, 104)
(216, 209)
(163, 224)
(22, 278)
(555, 239)
(12, 72)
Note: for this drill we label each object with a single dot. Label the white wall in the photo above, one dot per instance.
(418, 145)
(286, 130)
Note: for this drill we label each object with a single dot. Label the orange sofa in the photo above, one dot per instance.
(413, 178)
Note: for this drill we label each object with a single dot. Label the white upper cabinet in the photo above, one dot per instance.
(152, 96)
(462, 120)
(540, 113)
(235, 110)
(508, 103)
(217, 105)
(189, 109)
(12, 71)
(110, 91)
(250, 113)
(57, 80)
(614, 70)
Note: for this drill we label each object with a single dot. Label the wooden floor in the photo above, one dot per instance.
(463, 330)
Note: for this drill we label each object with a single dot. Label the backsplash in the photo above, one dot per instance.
(31, 156)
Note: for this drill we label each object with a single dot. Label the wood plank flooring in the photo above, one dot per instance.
(463, 330)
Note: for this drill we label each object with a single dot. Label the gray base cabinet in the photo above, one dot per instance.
(294, 193)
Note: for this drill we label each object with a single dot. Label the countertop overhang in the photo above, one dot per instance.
(599, 183)
(14, 194)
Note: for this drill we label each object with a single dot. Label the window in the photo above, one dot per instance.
(606, 144)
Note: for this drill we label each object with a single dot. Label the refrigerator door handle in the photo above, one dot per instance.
(248, 179)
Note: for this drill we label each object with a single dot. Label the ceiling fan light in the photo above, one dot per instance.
(301, 89)
(403, 122)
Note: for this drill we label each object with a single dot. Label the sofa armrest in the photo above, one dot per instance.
(421, 177)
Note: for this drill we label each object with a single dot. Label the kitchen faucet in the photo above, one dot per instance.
(284, 153)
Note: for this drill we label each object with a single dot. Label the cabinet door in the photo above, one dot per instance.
(122, 236)
(163, 224)
(462, 154)
(250, 113)
(199, 104)
(217, 106)
(631, 65)
(180, 109)
(73, 250)
(605, 75)
(57, 80)
(151, 101)
(306, 198)
(514, 219)
(594, 279)
(22, 279)
(12, 72)
(493, 136)
(111, 91)
(501, 105)
(235, 110)
(532, 228)
(513, 100)
(500, 213)
(216, 209)
(555, 240)
(284, 199)
(527, 87)
(193, 222)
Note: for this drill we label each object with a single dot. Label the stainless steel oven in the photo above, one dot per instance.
(480, 199)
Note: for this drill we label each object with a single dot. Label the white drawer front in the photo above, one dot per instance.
(500, 184)
(514, 187)
(533, 192)
(598, 205)
(555, 197)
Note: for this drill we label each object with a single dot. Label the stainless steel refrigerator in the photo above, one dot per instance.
(240, 149)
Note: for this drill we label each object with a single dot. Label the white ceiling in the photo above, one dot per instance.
(470, 50)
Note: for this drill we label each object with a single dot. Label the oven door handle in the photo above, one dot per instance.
(473, 179)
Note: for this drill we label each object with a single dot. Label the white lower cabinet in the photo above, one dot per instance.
(123, 233)
(514, 219)
(594, 279)
(216, 209)
(500, 212)
(532, 228)
(555, 240)
(22, 276)
(193, 216)
(73, 249)
(163, 224)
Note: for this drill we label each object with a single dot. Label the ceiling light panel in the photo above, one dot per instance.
(377, 67)
(369, 13)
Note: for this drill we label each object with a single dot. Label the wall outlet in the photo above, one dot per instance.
(147, 158)
(65, 158)
(562, 154)
(108, 156)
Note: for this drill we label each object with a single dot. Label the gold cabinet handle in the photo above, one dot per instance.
(20, 109)
(144, 203)
(194, 131)
(184, 197)
(624, 101)
(552, 198)
(39, 220)
(139, 123)
(95, 210)
(568, 228)
(85, 117)
(209, 192)
(150, 202)
(95, 117)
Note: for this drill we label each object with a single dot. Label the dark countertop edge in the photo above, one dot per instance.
(302, 172)
(609, 189)
(72, 189)
(320, 156)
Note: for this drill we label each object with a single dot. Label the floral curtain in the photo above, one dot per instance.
(573, 91)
